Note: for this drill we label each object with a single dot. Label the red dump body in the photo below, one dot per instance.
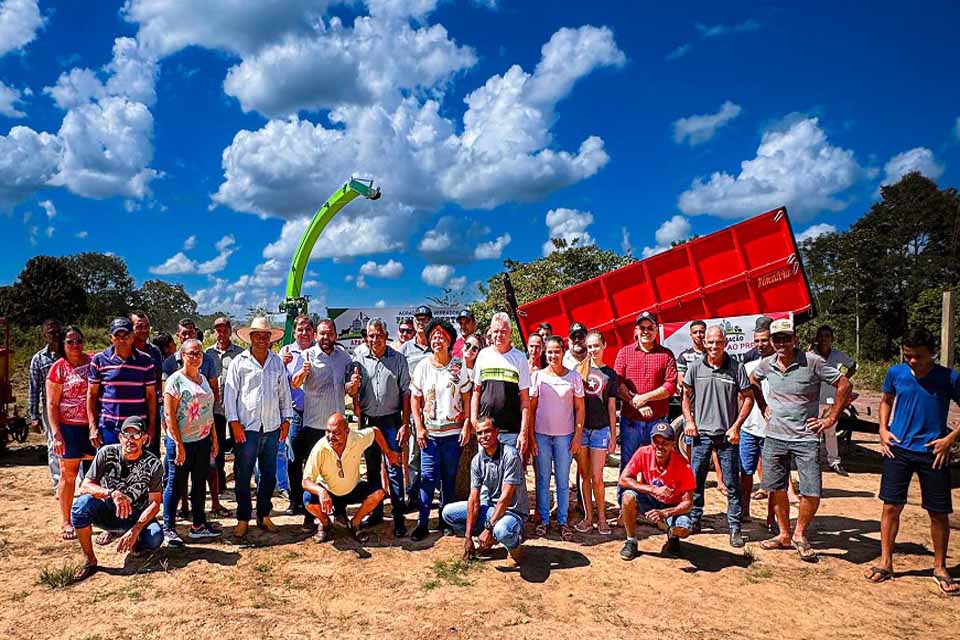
(750, 267)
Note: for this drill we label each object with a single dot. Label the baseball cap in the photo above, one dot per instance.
(423, 310)
(134, 422)
(465, 313)
(576, 327)
(763, 324)
(783, 325)
(647, 315)
(121, 324)
(221, 320)
(663, 429)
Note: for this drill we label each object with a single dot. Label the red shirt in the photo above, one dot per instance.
(677, 475)
(643, 371)
(457, 350)
(73, 390)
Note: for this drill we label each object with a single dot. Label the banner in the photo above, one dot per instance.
(351, 321)
(739, 329)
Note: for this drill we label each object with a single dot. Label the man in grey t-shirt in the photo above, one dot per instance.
(716, 400)
(792, 406)
(497, 507)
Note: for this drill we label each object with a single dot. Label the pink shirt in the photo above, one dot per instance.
(555, 413)
(73, 390)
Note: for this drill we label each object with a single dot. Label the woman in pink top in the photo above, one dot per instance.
(67, 412)
(556, 399)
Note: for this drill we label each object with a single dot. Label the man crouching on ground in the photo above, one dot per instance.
(121, 492)
(659, 485)
(497, 506)
(331, 479)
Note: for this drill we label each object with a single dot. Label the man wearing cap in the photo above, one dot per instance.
(716, 400)
(304, 334)
(823, 347)
(122, 383)
(468, 327)
(794, 425)
(657, 485)
(224, 350)
(141, 342)
(121, 493)
(576, 346)
(648, 377)
(257, 403)
(698, 331)
(414, 351)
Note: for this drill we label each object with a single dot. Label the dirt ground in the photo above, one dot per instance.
(284, 585)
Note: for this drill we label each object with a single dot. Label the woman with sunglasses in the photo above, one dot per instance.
(191, 441)
(67, 413)
(471, 348)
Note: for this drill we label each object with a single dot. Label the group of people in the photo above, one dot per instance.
(421, 400)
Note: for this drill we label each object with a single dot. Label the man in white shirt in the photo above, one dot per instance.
(823, 347)
(754, 429)
(258, 407)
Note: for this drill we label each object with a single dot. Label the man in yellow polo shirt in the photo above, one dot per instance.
(331, 478)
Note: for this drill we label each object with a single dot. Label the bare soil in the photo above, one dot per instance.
(284, 585)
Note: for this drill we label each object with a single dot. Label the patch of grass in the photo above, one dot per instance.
(20, 597)
(59, 577)
(451, 572)
(870, 375)
(262, 567)
(291, 555)
(430, 584)
(758, 573)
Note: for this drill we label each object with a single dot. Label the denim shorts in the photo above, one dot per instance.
(750, 449)
(646, 502)
(76, 441)
(934, 483)
(595, 438)
(776, 465)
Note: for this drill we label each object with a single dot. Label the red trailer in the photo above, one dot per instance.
(13, 427)
(748, 268)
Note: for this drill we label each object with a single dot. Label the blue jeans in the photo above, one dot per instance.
(414, 472)
(506, 531)
(88, 511)
(750, 449)
(373, 457)
(196, 465)
(438, 465)
(260, 449)
(508, 438)
(633, 435)
(729, 455)
(646, 502)
(553, 457)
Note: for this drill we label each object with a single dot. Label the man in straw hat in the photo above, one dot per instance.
(258, 408)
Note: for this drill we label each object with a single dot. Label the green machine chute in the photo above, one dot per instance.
(295, 304)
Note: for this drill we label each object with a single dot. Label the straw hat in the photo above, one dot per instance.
(257, 325)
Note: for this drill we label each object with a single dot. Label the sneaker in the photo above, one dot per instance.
(399, 528)
(206, 530)
(420, 533)
(736, 538)
(629, 551)
(839, 470)
(172, 539)
(671, 547)
(695, 528)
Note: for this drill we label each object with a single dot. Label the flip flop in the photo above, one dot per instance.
(566, 533)
(878, 575)
(361, 537)
(84, 572)
(221, 512)
(943, 583)
(807, 554)
(774, 544)
(540, 530)
(321, 535)
(583, 526)
(68, 533)
(604, 530)
(105, 538)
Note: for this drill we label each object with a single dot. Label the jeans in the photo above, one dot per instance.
(506, 531)
(508, 438)
(646, 502)
(373, 457)
(750, 449)
(53, 460)
(220, 424)
(196, 465)
(259, 448)
(414, 471)
(553, 456)
(88, 511)
(633, 435)
(439, 461)
(302, 443)
(729, 455)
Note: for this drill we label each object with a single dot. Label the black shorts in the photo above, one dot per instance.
(934, 483)
(340, 503)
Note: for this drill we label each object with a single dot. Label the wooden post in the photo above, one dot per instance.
(948, 329)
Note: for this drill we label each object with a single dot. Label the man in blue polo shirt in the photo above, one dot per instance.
(122, 383)
(917, 440)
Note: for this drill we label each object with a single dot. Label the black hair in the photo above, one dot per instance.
(71, 328)
(162, 341)
(557, 339)
(919, 337)
(700, 323)
(545, 325)
(444, 325)
(825, 327)
(328, 321)
(534, 333)
(407, 320)
(140, 313)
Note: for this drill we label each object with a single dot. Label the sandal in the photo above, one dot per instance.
(807, 554)
(68, 533)
(604, 529)
(321, 535)
(583, 526)
(105, 538)
(359, 536)
(944, 582)
(877, 575)
(566, 533)
(540, 530)
(84, 572)
(221, 512)
(760, 494)
(774, 544)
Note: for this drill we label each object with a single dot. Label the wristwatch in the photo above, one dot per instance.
(489, 526)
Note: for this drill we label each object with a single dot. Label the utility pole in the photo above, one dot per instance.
(948, 329)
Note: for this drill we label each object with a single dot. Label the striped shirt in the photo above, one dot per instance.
(123, 385)
(40, 365)
(794, 394)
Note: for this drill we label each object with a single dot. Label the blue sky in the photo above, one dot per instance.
(196, 139)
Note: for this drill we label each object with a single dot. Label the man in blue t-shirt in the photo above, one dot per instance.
(917, 440)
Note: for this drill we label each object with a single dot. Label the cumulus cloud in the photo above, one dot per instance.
(49, 209)
(697, 129)
(795, 166)
(625, 246)
(672, 230)
(19, 22)
(259, 289)
(28, 160)
(176, 264)
(380, 304)
(190, 243)
(76, 87)
(569, 225)
(492, 250)
(442, 275)
(917, 159)
(10, 97)
(390, 269)
(815, 231)
(180, 264)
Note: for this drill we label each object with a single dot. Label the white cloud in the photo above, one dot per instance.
(673, 230)
(190, 243)
(380, 304)
(697, 129)
(814, 231)
(795, 166)
(180, 264)
(442, 275)
(176, 264)
(679, 52)
(391, 269)
(49, 208)
(225, 242)
(713, 31)
(259, 289)
(50, 230)
(917, 159)
(19, 22)
(570, 225)
(625, 246)
(82, 234)
(28, 160)
(76, 87)
(132, 72)
(492, 250)
(361, 282)
(10, 97)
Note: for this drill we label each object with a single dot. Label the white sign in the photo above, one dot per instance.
(350, 322)
(739, 329)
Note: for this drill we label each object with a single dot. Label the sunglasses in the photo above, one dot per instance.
(77, 341)
(193, 354)
(134, 435)
(406, 330)
(647, 329)
(339, 468)
(471, 347)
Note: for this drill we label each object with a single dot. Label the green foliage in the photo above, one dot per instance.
(927, 312)
(59, 577)
(452, 572)
(107, 283)
(165, 303)
(870, 374)
(45, 288)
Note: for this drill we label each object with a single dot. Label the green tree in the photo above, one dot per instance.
(165, 303)
(108, 285)
(45, 288)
